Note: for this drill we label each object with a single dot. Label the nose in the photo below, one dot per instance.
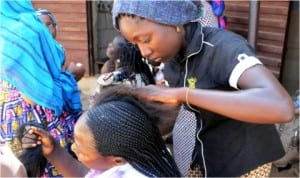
(145, 51)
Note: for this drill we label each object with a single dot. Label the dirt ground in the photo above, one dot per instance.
(87, 86)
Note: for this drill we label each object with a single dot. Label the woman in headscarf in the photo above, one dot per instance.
(33, 86)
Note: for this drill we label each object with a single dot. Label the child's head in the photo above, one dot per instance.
(130, 61)
(119, 129)
(49, 20)
(113, 47)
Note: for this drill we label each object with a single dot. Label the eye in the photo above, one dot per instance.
(49, 24)
(145, 40)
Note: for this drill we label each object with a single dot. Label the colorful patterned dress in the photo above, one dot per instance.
(14, 111)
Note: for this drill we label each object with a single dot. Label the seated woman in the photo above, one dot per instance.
(117, 137)
(51, 23)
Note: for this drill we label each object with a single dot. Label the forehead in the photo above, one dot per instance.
(45, 18)
(132, 27)
(82, 132)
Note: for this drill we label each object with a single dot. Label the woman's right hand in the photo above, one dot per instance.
(38, 136)
(161, 94)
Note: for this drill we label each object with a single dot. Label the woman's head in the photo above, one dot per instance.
(85, 148)
(118, 128)
(49, 20)
(156, 27)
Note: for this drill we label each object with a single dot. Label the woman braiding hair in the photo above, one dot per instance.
(217, 76)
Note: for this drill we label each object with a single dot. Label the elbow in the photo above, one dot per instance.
(287, 111)
(288, 116)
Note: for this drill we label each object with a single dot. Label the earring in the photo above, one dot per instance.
(177, 29)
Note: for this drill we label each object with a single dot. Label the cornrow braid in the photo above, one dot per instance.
(122, 127)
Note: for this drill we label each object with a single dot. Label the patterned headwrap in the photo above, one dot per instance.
(122, 128)
(31, 60)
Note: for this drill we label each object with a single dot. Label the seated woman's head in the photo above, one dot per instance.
(120, 129)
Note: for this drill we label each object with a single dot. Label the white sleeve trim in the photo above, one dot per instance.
(245, 62)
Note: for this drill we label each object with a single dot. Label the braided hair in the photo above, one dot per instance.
(32, 159)
(122, 126)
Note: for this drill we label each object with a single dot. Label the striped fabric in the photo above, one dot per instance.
(31, 60)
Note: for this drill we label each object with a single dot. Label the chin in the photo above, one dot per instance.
(154, 63)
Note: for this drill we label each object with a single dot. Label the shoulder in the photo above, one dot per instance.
(222, 36)
(128, 172)
(226, 43)
(12, 168)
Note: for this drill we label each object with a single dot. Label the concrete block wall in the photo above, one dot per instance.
(105, 30)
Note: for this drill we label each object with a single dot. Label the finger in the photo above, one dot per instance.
(139, 91)
(30, 135)
(29, 145)
(40, 132)
(27, 139)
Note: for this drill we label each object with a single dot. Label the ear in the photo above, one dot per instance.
(119, 161)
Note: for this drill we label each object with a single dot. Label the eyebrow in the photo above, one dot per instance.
(135, 38)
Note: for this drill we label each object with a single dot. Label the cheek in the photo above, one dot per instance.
(52, 30)
(168, 46)
(99, 163)
(88, 162)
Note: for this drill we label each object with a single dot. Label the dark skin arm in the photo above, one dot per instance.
(63, 161)
(261, 98)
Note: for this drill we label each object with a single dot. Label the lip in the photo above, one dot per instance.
(156, 60)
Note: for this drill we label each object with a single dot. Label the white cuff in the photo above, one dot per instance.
(245, 62)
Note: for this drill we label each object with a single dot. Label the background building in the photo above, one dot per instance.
(85, 29)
